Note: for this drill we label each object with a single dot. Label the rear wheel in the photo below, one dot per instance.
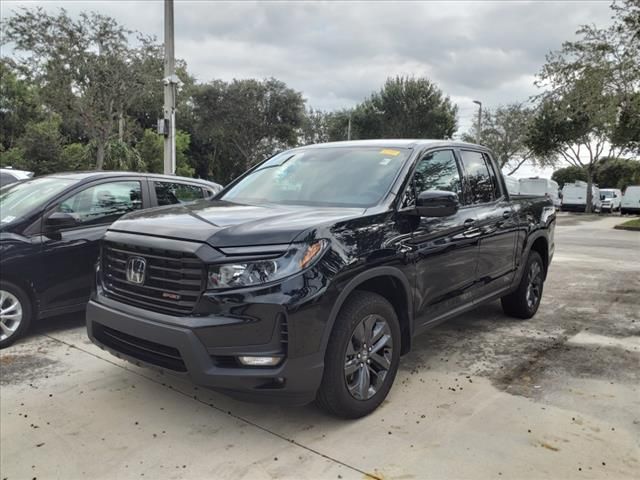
(525, 300)
(15, 313)
(362, 357)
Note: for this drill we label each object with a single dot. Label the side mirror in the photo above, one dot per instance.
(59, 221)
(437, 203)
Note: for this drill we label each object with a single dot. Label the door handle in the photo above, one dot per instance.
(506, 214)
(469, 221)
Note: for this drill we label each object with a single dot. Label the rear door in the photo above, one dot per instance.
(496, 221)
(445, 249)
(70, 255)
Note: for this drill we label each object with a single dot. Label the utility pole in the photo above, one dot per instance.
(170, 83)
(479, 103)
(349, 128)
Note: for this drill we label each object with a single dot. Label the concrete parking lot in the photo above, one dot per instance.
(483, 396)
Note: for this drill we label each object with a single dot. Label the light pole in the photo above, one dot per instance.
(478, 135)
(170, 81)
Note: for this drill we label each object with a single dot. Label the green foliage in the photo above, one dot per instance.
(76, 156)
(19, 104)
(505, 131)
(120, 156)
(14, 157)
(183, 164)
(239, 123)
(618, 173)
(569, 174)
(42, 147)
(590, 106)
(405, 107)
(608, 173)
(151, 151)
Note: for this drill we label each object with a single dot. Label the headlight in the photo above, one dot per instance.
(256, 272)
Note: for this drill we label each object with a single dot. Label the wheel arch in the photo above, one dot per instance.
(388, 282)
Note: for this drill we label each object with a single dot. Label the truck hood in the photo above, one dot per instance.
(226, 224)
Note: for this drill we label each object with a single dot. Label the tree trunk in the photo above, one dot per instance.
(100, 156)
(589, 206)
(121, 127)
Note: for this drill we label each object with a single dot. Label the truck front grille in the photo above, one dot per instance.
(172, 283)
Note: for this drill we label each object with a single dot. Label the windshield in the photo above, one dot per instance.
(18, 199)
(332, 177)
(606, 194)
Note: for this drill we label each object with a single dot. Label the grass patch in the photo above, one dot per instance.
(630, 225)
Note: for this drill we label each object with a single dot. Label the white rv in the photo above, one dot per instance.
(541, 186)
(574, 197)
(630, 200)
(611, 199)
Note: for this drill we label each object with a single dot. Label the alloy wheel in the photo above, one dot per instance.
(10, 314)
(534, 286)
(368, 357)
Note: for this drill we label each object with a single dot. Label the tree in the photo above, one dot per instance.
(150, 149)
(42, 147)
(315, 127)
(82, 67)
(405, 107)
(505, 132)
(19, 104)
(239, 123)
(618, 173)
(588, 110)
(569, 174)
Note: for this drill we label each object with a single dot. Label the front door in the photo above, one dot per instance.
(445, 249)
(69, 256)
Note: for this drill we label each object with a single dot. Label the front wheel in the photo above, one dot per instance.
(15, 313)
(362, 357)
(525, 300)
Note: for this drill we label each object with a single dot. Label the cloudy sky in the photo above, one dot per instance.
(337, 53)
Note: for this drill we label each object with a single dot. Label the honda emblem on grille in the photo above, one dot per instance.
(136, 267)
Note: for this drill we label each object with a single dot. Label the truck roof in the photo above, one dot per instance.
(396, 142)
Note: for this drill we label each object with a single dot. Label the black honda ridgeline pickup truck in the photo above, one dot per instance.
(308, 277)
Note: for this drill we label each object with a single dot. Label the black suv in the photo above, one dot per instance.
(308, 277)
(50, 231)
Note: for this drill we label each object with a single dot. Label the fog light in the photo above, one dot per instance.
(259, 361)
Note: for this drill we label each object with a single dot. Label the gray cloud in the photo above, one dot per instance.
(337, 53)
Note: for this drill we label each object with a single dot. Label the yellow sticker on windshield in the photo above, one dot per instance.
(388, 151)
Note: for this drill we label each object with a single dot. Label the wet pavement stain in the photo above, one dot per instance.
(20, 368)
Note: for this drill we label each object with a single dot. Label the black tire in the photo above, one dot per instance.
(9, 293)
(334, 395)
(523, 303)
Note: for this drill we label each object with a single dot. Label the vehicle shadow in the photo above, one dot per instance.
(57, 324)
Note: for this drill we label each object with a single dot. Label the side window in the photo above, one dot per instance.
(436, 171)
(6, 179)
(497, 193)
(478, 177)
(103, 203)
(169, 193)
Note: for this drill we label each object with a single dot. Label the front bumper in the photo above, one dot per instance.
(176, 345)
